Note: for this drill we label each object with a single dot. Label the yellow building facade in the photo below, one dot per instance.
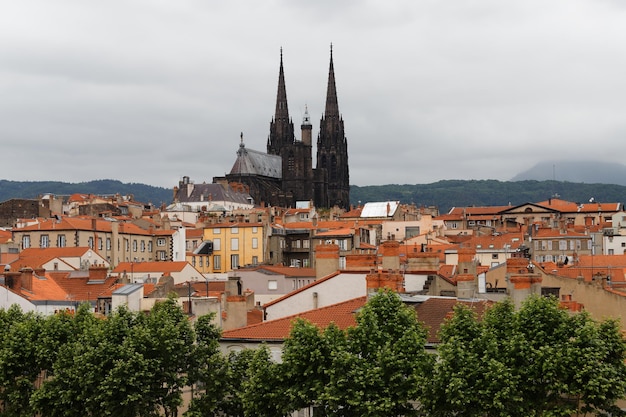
(235, 245)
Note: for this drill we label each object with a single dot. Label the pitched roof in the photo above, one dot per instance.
(156, 266)
(287, 271)
(435, 310)
(207, 193)
(251, 162)
(342, 314)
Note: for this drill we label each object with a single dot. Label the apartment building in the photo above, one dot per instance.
(235, 244)
(112, 240)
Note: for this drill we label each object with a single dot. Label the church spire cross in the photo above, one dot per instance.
(332, 107)
(282, 111)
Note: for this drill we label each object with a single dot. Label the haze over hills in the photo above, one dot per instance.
(583, 171)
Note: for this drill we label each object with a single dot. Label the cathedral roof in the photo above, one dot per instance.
(251, 162)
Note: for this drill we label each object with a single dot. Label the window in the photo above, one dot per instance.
(254, 229)
(44, 241)
(494, 256)
(234, 261)
(126, 245)
(150, 246)
(272, 285)
(453, 225)
(623, 244)
(161, 255)
(217, 262)
(305, 244)
(61, 243)
(306, 263)
(143, 246)
(611, 252)
(200, 261)
(342, 244)
(255, 260)
(234, 243)
(562, 244)
(296, 244)
(161, 241)
(411, 231)
(135, 245)
(216, 230)
(234, 230)
(25, 242)
(99, 243)
(108, 243)
(255, 243)
(217, 244)
(193, 261)
(342, 262)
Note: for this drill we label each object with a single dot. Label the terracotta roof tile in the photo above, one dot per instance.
(434, 311)
(342, 314)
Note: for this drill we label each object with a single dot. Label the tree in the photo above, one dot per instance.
(373, 369)
(128, 365)
(538, 361)
(19, 365)
(207, 370)
(263, 387)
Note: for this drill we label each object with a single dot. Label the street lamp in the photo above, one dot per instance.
(207, 285)
(189, 295)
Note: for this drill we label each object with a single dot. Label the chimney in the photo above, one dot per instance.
(27, 279)
(98, 272)
(390, 253)
(326, 259)
(391, 279)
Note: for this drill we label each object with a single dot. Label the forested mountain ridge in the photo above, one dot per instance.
(33, 189)
(442, 194)
(464, 193)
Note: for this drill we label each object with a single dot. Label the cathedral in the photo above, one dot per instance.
(285, 174)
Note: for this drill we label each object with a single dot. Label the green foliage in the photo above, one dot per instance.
(464, 193)
(538, 361)
(130, 364)
(33, 189)
(376, 368)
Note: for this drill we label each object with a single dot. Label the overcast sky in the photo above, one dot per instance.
(150, 91)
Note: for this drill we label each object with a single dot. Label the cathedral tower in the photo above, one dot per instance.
(332, 152)
(297, 159)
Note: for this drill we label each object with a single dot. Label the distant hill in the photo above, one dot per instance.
(442, 194)
(590, 172)
(462, 193)
(33, 189)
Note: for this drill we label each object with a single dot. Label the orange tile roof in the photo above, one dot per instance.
(155, 266)
(37, 257)
(342, 314)
(287, 271)
(5, 235)
(570, 207)
(191, 233)
(336, 232)
(434, 311)
(63, 286)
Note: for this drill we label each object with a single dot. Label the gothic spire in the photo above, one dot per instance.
(332, 108)
(282, 112)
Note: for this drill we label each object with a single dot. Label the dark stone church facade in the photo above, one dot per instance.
(285, 174)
